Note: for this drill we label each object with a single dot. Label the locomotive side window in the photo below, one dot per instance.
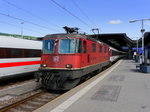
(105, 49)
(94, 47)
(84, 47)
(67, 46)
(100, 49)
(48, 46)
(78, 45)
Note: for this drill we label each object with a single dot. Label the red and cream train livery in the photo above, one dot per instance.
(69, 58)
(18, 56)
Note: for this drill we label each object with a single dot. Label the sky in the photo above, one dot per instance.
(41, 17)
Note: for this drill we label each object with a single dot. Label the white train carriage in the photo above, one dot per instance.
(115, 54)
(18, 56)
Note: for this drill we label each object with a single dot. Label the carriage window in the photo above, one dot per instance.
(5, 53)
(33, 53)
(78, 45)
(19, 53)
(48, 46)
(67, 46)
(94, 47)
(114, 53)
(84, 47)
(100, 48)
(15, 52)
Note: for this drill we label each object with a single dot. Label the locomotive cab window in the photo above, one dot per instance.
(67, 46)
(48, 46)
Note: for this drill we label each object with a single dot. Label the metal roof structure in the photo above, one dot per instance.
(116, 40)
(146, 40)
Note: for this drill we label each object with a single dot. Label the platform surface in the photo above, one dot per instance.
(121, 89)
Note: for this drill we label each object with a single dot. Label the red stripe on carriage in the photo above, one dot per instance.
(14, 64)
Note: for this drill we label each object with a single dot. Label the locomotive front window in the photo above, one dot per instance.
(67, 46)
(48, 46)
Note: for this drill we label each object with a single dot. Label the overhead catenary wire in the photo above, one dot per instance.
(26, 21)
(32, 14)
(71, 13)
(76, 5)
(19, 27)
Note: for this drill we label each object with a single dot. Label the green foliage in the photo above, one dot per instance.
(19, 36)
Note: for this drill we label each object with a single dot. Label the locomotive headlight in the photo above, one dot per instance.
(68, 66)
(44, 65)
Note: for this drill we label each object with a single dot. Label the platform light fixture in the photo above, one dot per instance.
(131, 21)
(142, 31)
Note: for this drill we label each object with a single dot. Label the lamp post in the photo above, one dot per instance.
(142, 31)
(137, 47)
(22, 29)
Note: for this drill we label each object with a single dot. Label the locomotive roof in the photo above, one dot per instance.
(65, 35)
(72, 35)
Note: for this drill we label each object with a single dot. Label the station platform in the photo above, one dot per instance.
(120, 88)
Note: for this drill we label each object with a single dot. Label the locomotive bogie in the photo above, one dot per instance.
(60, 79)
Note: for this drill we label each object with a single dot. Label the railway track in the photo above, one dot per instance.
(27, 101)
(8, 84)
(30, 103)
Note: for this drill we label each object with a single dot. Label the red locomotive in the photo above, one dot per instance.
(69, 58)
